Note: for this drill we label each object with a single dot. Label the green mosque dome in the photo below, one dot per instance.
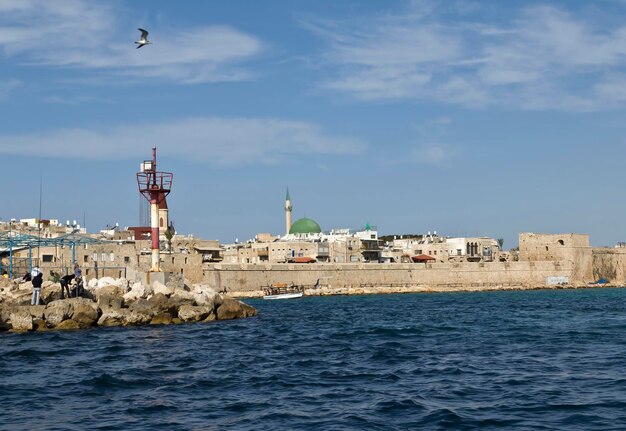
(305, 225)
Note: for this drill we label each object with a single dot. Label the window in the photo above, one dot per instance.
(47, 258)
(561, 242)
(95, 257)
(85, 258)
(112, 257)
(104, 257)
(126, 259)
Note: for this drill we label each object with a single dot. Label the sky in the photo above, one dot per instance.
(469, 118)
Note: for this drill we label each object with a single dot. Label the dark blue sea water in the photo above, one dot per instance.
(498, 360)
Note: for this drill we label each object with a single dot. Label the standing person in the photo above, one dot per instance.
(65, 284)
(77, 272)
(37, 281)
(78, 279)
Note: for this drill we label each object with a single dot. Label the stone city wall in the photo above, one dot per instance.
(610, 264)
(248, 280)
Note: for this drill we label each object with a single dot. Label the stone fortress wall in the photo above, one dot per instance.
(248, 279)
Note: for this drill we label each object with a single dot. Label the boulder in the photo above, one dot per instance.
(68, 324)
(211, 317)
(160, 303)
(21, 320)
(37, 311)
(113, 317)
(106, 281)
(234, 309)
(110, 302)
(183, 296)
(134, 319)
(193, 313)
(57, 311)
(159, 287)
(137, 291)
(50, 292)
(161, 319)
(111, 290)
(141, 312)
(40, 325)
(84, 315)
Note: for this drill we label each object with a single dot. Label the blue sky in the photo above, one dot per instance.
(468, 118)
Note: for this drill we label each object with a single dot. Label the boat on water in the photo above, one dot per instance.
(283, 291)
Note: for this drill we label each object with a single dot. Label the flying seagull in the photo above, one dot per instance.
(144, 38)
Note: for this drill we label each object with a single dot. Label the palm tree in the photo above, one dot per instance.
(169, 234)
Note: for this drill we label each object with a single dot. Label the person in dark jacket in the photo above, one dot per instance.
(65, 284)
(37, 281)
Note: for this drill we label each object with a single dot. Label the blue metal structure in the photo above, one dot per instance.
(12, 240)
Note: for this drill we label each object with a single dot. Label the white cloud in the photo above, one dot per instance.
(92, 35)
(220, 141)
(545, 58)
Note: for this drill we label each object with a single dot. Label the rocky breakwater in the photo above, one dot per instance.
(111, 302)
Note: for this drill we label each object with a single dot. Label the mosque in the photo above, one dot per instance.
(301, 227)
(305, 242)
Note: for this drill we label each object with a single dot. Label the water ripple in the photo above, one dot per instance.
(498, 360)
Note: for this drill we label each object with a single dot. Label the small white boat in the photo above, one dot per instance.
(283, 291)
(284, 296)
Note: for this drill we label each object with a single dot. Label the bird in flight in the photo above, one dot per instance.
(144, 38)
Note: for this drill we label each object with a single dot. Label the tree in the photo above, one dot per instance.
(169, 234)
(501, 242)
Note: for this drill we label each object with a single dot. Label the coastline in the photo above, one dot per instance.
(387, 290)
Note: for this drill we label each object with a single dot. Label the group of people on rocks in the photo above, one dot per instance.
(75, 280)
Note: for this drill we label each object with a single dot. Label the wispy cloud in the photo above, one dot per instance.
(433, 153)
(219, 141)
(92, 35)
(543, 58)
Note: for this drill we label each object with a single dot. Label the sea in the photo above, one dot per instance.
(508, 360)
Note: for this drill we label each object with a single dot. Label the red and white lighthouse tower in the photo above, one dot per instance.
(154, 186)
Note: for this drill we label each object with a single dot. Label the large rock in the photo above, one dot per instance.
(107, 281)
(40, 325)
(159, 287)
(161, 319)
(160, 303)
(110, 302)
(37, 311)
(134, 319)
(141, 312)
(193, 313)
(110, 290)
(21, 320)
(84, 315)
(68, 324)
(57, 311)
(50, 292)
(234, 309)
(137, 291)
(113, 317)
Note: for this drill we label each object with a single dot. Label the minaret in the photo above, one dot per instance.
(287, 213)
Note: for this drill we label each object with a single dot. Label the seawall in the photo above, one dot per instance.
(247, 280)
